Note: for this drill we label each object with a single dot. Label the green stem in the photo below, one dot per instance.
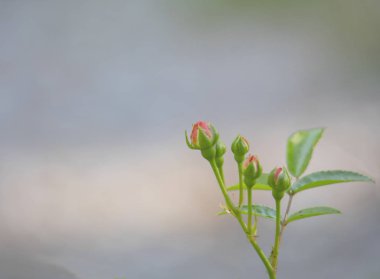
(285, 219)
(221, 172)
(277, 236)
(249, 210)
(255, 227)
(238, 216)
(241, 193)
(229, 202)
(263, 257)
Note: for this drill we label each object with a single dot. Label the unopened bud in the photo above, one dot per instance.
(240, 147)
(279, 180)
(203, 137)
(251, 170)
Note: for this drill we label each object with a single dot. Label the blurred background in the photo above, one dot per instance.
(96, 181)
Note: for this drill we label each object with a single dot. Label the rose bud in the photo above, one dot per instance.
(251, 170)
(240, 147)
(279, 180)
(203, 137)
(220, 151)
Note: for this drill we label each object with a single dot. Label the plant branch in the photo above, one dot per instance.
(236, 212)
(227, 198)
(249, 210)
(285, 219)
(263, 257)
(221, 172)
(277, 235)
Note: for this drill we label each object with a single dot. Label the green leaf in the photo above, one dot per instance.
(261, 184)
(300, 149)
(258, 210)
(311, 212)
(323, 178)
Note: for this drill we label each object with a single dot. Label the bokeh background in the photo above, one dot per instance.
(96, 181)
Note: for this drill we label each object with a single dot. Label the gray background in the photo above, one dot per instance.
(95, 179)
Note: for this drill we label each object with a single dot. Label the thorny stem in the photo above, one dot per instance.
(236, 212)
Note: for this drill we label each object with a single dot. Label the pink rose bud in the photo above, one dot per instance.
(240, 147)
(203, 137)
(251, 170)
(279, 179)
(195, 132)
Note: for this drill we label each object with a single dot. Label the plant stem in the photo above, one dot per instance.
(241, 193)
(284, 220)
(221, 172)
(249, 210)
(219, 178)
(288, 208)
(277, 235)
(236, 212)
(263, 257)
(255, 227)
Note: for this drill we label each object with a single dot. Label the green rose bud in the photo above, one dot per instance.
(251, 170)
(279, 179)
(240, 147)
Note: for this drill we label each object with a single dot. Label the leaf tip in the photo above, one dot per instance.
(371, 179)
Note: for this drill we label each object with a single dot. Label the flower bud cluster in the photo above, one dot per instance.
(204, 137)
